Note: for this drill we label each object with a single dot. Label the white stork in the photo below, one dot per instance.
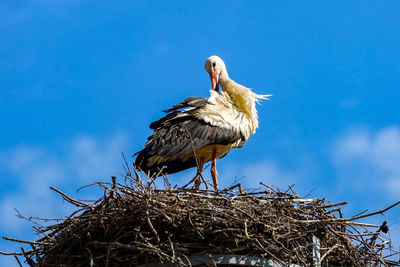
(199, 129)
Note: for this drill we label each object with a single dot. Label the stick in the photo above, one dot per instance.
(70, 199)
(25, 241)
(10, 253)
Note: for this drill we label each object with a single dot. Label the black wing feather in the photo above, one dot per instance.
(194, 101)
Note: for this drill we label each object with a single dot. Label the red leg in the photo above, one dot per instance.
(214, 172)
(199, 170)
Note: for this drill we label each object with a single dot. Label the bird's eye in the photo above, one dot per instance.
(214, 64)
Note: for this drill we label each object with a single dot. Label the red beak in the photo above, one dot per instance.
(215, 81)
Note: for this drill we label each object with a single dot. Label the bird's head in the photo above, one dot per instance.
(215, 67)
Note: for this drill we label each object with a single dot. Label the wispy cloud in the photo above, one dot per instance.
(369, 159)
(33, 169)
(93, 159)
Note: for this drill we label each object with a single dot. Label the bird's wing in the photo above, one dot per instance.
(180, 134)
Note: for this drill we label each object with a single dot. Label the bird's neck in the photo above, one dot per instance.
(241, 97)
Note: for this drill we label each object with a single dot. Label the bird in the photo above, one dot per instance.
(199, 130)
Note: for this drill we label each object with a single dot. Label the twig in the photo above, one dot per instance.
(19, 263)
(69, 199)
(10, 253)
(374, 213)
(25, 241)
(333, 205)
(126, 167)
(113, 178)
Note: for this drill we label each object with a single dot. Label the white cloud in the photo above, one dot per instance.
(33, 169)
(92, 159)
(370, 159)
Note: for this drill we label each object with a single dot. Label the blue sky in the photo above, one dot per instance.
(82, 80)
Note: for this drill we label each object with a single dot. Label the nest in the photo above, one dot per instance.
(135, 223)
